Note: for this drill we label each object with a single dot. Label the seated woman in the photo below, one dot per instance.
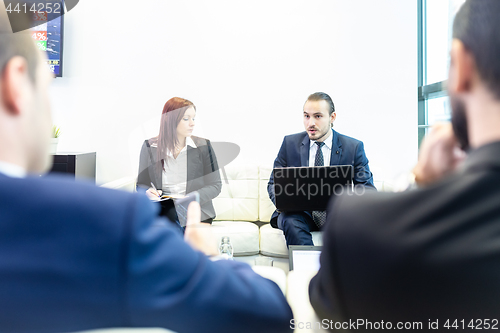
(178, 163)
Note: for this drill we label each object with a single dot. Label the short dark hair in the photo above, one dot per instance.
(477, 25)
(18, 44)
(321, 96)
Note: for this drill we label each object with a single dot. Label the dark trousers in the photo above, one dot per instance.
(297, 227)
(168, 210)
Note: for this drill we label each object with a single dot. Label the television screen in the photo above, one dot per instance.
(49, 34)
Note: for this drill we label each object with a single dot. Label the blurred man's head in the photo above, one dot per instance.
(475, 60)
(25, 121)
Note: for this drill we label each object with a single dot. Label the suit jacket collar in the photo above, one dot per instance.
(484, 157)
(336, 149)
(304, 150)
(194, 166)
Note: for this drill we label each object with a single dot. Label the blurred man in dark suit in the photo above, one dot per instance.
(432, 254)
(76, 257)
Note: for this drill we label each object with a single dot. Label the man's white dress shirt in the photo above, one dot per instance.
(326, 150)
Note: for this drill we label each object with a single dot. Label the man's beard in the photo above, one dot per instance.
(320, 136)
(459, 122)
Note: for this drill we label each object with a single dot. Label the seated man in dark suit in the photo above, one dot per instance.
(320, 145)
(77, 257)
(430, 255)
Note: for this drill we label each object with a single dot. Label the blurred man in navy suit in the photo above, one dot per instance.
(77, 257)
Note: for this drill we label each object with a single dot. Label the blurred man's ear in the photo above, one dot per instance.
(14, 83)
(462, 68)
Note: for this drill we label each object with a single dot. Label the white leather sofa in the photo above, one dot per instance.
(243, 211)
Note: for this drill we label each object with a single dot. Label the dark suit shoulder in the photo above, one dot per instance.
(152, 141)
(297, 137)
(349, 139)
(455, 208)
(417, 250)
(76, 200)
(373, 210)
(348, 142)
(352, 211)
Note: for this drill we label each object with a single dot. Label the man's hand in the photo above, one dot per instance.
(439, 155)
(199, 235)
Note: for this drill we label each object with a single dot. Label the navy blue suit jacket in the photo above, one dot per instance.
(76, 257)
(294, 152)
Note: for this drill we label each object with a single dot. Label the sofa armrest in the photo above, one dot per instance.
(297, 294)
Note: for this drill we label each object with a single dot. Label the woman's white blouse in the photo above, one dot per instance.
(174, 177)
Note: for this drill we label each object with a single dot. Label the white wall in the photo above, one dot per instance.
(247, 65)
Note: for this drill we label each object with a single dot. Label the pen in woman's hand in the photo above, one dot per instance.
(154, 187)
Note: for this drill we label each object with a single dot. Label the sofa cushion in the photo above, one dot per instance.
(273, 243)
(236, 209)
(239, 197)
(244, 236)
(266, 206)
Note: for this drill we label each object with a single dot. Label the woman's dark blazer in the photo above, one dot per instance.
(202, 172)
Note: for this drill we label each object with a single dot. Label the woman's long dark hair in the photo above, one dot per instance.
(173, 111)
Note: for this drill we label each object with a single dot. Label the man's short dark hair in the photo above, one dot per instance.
(477, 25)
(321, 96)
(17, 44)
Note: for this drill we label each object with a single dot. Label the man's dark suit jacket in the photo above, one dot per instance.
(432, 253)
(202, 172)
(294, 152)
(76, 257)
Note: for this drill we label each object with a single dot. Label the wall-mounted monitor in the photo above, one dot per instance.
(49, 33)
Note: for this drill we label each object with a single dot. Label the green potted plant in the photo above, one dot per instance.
(56, 132)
